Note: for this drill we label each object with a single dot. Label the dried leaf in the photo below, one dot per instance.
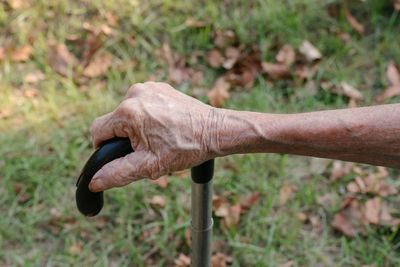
(22, 53)
(221, 260)
(34, 77)
(214, 58)
(91, 45)
(23, 198)
(285, 193)
(182, 261)
(276, 71)
(2, 53)
(191, 22)
(306, 71)
(286, 55)
(99, 65)
(75, 248)
(338, 171)
(309, 52)
(60, 59)
(232, 55)
(162, 182)
(250, 200)
(396, 4)
(302, 216)
(389, 92)
(287, 264)
(111, 19)
(223, 39)
(393, 73)
(219, 93)
(372, 208)
(358, 27)
(343, 225)
(158, 200)
(351, 92)
(17, 4)
(316, 224)
(55, 214)
(232, 219)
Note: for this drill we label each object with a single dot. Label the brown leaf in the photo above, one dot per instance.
(23, 198)
(111, 19)
(343, 225)
(99, 65)
(249, 200)
(34, 77)
(179, 73)
(384, 189)
(358, 27)
(232, 219)
(396, 4)
(75, 248)
(316, 224)
(91, 45)
(22, 53)
(286, 55)
(285, 193)
(162, 182)
(306, 71)
(309, 52)
(393, 73)
(182, 261)
(191, 22)
(158, 200)
(221, 260)
(390, 92)
(2, 53)
(214, 58)
(287, 264)
(219, 93)
(223, 39)
(276, 71)
(351, 92)
(17, 4)
(338, 171)
(55, 214)
(232, 55)
(372, 208)
(60, 59)
(302, 216)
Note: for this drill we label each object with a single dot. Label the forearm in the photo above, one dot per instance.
(368, 135)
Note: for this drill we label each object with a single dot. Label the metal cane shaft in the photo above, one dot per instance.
(202, 223)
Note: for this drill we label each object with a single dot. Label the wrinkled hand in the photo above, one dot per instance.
(168, 130)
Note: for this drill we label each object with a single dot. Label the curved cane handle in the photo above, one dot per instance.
(90, 203)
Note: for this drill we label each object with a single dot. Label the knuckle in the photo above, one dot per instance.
(137, 87)
(124, 108)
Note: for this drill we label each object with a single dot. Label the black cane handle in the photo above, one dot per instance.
(90, 203)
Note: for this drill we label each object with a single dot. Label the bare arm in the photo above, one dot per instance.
(367, 135)
(170, 131)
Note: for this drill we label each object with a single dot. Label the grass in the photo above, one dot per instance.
(46, 139)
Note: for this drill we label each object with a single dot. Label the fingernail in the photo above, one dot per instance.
(96, 184)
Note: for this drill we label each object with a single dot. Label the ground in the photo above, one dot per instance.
(64, 63)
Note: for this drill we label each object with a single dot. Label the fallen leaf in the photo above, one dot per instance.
(306, 71)
(276, 71)
(232, 54)
(162, 182)
(2, 53)
(221, 260)
(111, 19)
(223, 39)
(60, 59)
(179, 72)
(286, 55)
(55, 214)
(287, 264)
(351, 92)
(343, 225)
(358, 27)
(393, 73)
(386, 218)
(5, 113)
(75, 248)
(338, 170)
(249, 201)
(214, 58)
(34, 77)
(17, 4)
(233, 216)
(23, 198)
(219, 93)
(316, 224)
(384, 190)
(309, 52)
(91, 45)
(191, 22)
(372, 208)
(302, 216)
(99, 65)
(396, 4)
(352, 187)
(285, 193)
(349, 219)
(158, 200)
(182, 261)
(319, 165)
(21, 54)
(107, 30)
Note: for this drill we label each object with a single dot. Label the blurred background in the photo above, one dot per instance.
(64, 63)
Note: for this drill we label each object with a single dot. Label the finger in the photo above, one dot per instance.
(122, 171)
(134, 90)
(101, 129)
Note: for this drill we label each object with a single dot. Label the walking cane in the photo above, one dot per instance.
(90, 203)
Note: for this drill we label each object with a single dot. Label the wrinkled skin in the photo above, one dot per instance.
(170, 131)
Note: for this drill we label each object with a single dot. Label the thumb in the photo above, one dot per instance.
(121, 171)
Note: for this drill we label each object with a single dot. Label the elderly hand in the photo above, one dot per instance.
(168, 130)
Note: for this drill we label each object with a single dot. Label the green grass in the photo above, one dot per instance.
(45, 140)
